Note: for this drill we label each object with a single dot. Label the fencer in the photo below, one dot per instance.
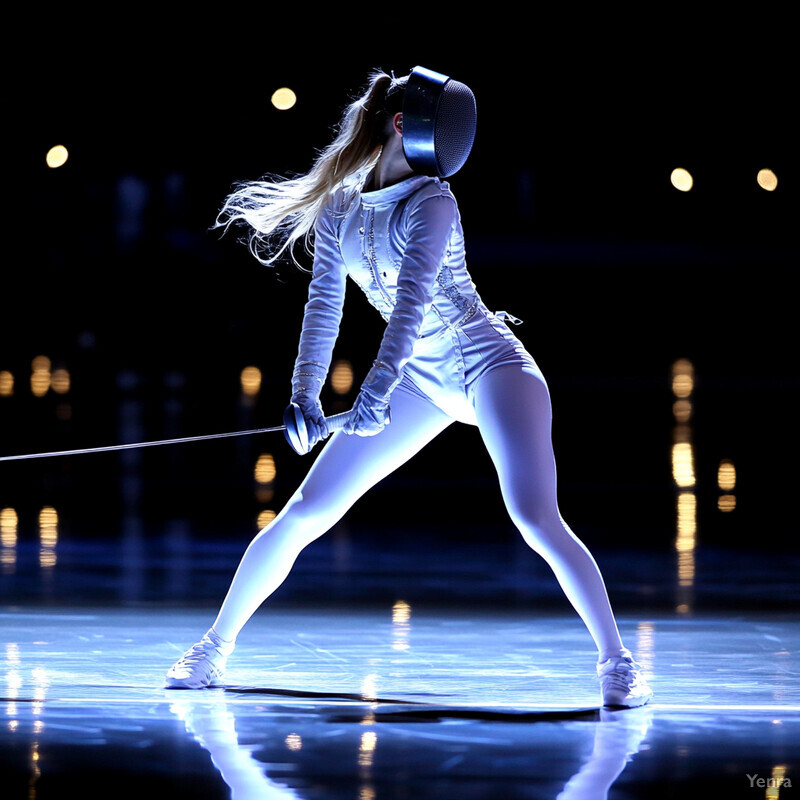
(377, 210)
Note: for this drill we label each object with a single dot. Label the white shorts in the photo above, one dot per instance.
(447, 367)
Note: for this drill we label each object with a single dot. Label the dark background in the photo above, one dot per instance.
(111, 268)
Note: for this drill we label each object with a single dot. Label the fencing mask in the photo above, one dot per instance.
(439, 118)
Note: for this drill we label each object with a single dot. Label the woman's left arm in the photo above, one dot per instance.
(429, 226)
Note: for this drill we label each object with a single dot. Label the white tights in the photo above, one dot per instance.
(514, 418)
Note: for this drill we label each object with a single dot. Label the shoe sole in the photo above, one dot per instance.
(629, 704)
(178, 683)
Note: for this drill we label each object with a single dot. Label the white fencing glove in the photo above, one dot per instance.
(371, 412)
(307, 381)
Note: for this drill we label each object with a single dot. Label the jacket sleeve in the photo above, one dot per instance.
(323, 310)
(429, 225)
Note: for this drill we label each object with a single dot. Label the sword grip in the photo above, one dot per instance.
(337, 421)
(295, 426)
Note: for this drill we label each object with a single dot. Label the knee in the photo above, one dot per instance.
(542, 528)
(300, 522)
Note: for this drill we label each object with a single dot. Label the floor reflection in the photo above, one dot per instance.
(212, 724)
(211, 720)
(322, 704)
(617, 739)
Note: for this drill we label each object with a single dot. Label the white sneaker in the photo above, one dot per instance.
(203, 665)
(622, 683)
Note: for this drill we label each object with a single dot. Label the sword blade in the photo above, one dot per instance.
(108, 448)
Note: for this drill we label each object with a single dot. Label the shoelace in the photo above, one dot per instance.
(202, 653)
(197, 654)
(622, 675)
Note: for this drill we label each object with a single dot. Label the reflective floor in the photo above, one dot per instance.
(389, 698)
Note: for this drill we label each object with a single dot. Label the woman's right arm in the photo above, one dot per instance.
(321, 320)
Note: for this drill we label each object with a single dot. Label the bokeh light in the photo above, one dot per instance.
(57, 156)
(283, 99)
(681, 179)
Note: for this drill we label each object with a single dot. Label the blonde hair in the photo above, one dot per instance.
(280, 212)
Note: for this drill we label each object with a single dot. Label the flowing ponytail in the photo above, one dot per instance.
(280, 212)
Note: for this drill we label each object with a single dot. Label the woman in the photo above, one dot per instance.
(444, 357)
